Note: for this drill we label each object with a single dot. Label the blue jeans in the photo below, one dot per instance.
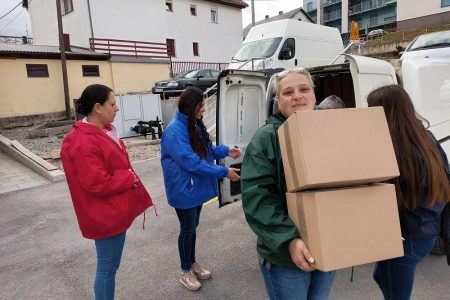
(189, 219)
(109, 253)
(286, 284)
(395, 277)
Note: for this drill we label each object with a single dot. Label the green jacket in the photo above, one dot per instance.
(264, 195)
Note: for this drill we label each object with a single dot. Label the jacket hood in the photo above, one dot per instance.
(277, 118)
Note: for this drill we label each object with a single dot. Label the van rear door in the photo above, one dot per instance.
(240, 111)
(368, 74)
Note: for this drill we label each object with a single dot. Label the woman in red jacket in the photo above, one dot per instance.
(106, 193)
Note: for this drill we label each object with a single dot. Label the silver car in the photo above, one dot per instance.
(430, 45)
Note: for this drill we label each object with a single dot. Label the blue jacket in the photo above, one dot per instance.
(189, 180)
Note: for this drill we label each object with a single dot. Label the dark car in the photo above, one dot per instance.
(202, 78)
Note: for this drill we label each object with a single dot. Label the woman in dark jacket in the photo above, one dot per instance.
(422, 189)
(190, 176)
(106, 193)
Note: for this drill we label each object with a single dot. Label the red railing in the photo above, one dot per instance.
(176, 67)
(129, 48)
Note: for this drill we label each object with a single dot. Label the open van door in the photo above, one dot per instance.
(368, 74)
(240, 111)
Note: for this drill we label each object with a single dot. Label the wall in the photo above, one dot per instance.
(137, 77)
(145, 20)
(409, 9)
(24, 96)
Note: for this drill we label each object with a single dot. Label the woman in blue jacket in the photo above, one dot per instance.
(190, 176)
(422, 189)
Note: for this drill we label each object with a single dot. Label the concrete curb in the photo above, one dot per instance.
(7, 148)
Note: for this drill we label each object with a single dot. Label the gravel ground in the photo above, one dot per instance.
(48, 147)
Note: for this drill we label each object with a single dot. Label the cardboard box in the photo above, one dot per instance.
(336, 148)
(346, 227)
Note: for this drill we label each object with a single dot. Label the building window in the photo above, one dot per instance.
(195, 48)
(445, 3)
(66, 6)
(193, 10)
(37, 70)
(309, 6)
(90, 70)
(169, 5)
(214, 15)
(171, 47)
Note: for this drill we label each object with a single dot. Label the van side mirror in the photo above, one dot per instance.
(285, 54)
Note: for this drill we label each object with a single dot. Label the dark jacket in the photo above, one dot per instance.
(100, 182)
(189, 180)
(263, 195)
(422, 222)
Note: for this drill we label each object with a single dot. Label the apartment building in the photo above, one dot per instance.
(370, 14)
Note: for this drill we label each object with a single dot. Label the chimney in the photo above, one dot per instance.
(267, 16)
(66, 42)
(280, 12)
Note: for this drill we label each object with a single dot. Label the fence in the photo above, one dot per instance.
(176, 67)
(129, 48)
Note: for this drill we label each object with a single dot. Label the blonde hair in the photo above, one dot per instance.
(283, 74)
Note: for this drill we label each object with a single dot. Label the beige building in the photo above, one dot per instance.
(32, 86)
(419, 13)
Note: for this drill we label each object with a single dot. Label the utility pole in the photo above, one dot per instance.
(253, 13)
(63, 60)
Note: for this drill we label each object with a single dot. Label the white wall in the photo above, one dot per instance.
(409, 9)
(146, 20)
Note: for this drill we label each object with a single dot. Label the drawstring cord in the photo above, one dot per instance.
(156, 214)
(351, 277)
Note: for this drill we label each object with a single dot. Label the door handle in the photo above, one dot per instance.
(295, 62)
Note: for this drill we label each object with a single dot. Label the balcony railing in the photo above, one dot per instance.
(129, 48)
(335, 15)
(330, 2)
(375, 22)
(367, 6)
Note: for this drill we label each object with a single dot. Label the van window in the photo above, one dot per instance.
(262, 48)
(289, 44)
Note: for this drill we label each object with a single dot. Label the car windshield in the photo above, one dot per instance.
(182, 74)
(191, 74)
(263, 48)
(432, 40)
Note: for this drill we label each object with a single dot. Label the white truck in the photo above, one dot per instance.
(285, 44)
(244, 104)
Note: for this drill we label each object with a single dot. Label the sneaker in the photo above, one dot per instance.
(189, 280)
(200, 272)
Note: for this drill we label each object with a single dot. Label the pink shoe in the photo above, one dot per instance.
(189, 280)
(200, 272)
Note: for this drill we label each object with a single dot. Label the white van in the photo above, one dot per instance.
(285, 44)
(243, 104)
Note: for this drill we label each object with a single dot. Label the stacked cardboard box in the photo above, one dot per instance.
(332, 161)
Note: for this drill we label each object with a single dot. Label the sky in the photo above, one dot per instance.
(18, 22)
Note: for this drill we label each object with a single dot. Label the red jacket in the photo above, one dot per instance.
(100, 183)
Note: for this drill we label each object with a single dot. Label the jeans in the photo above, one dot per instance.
(395, 277)
(189, 219)
(286, 284)
(109, 253)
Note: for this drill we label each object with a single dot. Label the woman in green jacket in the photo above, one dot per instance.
(284, 258)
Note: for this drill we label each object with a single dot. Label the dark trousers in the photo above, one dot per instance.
(189, 219)
(395, 277)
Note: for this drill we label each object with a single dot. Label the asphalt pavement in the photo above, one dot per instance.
(43, 255)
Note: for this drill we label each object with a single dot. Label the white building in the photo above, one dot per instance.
(418, 13)
(194, 30)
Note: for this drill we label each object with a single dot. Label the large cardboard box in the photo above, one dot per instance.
(346, 227)
(333, 148)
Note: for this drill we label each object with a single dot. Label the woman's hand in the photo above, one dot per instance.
(232, 174)
(234, 152)
(300, 255)
(136, 179)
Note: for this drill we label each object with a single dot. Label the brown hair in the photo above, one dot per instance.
(189, 104)
(422, 173)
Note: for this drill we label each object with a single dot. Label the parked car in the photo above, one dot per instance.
(376, 33)
(431, 45)
(202, 78)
